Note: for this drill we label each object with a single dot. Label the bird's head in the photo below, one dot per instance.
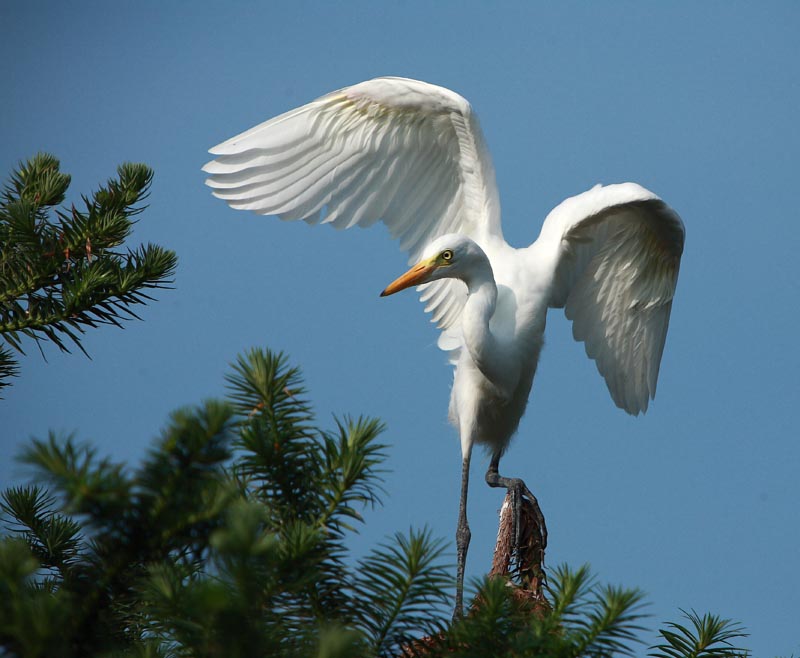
(449, 256)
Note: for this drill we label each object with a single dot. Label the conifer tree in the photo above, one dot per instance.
(62, 269)
(231, 539)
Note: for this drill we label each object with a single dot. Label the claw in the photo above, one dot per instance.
(518, 492)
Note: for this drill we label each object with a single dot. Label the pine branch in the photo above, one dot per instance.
(709, 636)
(8, 367)
(597, 621)
(610, 624)
(279, 454)
(166, 511)
(403, 590)
(185, 467)
(60, 270)
(32, 617)
(492, 627)
(95, 488)
(352, 477)
(54, 538)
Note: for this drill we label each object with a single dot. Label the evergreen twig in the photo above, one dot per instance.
(63, 270)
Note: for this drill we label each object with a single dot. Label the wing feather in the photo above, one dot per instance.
(616, 255)
(404, 152)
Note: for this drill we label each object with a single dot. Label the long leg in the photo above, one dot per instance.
(463, 536)
(517, 489)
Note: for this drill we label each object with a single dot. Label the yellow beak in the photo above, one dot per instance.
(415, 276)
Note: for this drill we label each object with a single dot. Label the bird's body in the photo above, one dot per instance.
(503, 332)
(412, 155)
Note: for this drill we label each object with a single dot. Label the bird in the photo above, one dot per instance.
(412, 155)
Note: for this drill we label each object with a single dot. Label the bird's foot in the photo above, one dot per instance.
(518, 493)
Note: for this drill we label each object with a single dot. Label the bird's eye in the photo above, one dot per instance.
(447, 255)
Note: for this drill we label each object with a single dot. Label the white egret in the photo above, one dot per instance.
(412, 155)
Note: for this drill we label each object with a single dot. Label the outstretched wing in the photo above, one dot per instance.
(405, 152)
(615, 253)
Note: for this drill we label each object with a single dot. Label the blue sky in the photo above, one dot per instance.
(696, 502)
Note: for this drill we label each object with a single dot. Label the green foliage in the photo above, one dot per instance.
(405, 582)
(597, 620)
(584, 619)
(61, 270)
(709, 637)
(231, 539)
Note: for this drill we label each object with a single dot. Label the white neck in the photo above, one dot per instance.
(492, 358)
